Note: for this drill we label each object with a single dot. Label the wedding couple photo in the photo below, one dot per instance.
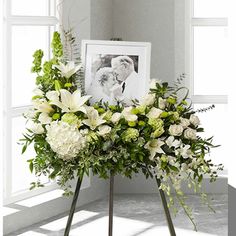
(114, 78)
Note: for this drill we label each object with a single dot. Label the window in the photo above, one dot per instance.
(29, 25)
(206, 47)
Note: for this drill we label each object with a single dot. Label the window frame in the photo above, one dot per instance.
(190, 23)
(10, 112)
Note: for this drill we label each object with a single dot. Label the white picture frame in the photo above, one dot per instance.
(116, 70)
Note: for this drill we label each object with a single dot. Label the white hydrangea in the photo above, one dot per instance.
(65, 139)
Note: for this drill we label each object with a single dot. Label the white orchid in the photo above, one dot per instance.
(67, 70)
(172, 142)
(184, 151)
(154, 146)
(128, 115)
(70, 102)
(94, 120)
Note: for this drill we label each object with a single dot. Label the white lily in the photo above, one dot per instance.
(94, 120)
(67, 70)
(41, 105)
(172, 142)
(128, 115)
(154, 146)
(71, 102)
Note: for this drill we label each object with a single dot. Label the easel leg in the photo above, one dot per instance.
(166, 209)
(111, 193)
(73, 205)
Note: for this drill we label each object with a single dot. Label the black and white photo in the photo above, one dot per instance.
(113, 72)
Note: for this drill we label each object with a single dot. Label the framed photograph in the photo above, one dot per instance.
(116, 70)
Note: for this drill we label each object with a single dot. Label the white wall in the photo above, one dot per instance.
(76, 16)
(152, 21)
(101, 19)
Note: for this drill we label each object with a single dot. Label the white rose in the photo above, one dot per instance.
(194, 120)
(115, 117)
(36, 128)
(190, 134)
(44, 118)
(184, 122)
(148, 100)
(176, 130)
(162, 103)
(154, 113)
(104, 130)
(128, 115)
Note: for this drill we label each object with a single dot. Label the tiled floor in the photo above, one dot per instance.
(136, 215)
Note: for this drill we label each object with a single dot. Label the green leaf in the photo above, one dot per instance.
(31, 166)
(24, 149)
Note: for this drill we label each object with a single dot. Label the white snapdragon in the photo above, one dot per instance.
(65, 139)
(103, 130)
(154, 113)
(176, 130)
(190, 134)
(116, 117)
(194, 120)
(184, 122)
(128, 115)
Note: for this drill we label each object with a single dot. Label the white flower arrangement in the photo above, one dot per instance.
(159, 135)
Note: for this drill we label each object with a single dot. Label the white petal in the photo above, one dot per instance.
(66, 98)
